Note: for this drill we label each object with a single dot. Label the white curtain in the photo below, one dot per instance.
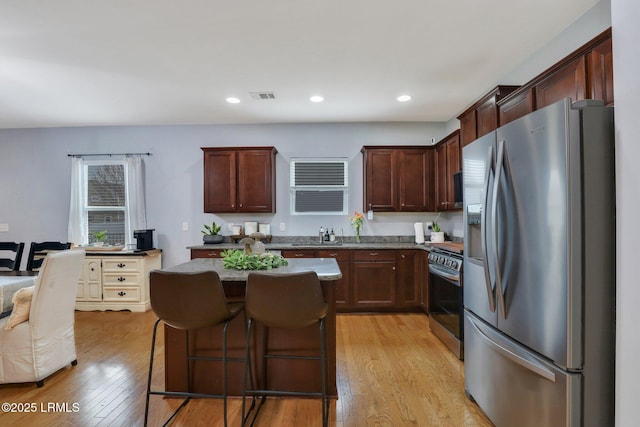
(77, 231)
(136, 212)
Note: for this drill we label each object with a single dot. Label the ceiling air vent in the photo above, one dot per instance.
(263, 96)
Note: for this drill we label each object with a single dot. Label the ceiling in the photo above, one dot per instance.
(151, 62)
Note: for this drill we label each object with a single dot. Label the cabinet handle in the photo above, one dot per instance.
(93, 269)
(373, 253)
(240, 204)
(299, 255)
(393, 268)
(213, 254)
(121, 279)
(403, 205)
(402, 256)
(122, 293)
(333, 255)
(121, 265)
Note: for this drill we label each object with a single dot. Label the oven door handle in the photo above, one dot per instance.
(453, 277)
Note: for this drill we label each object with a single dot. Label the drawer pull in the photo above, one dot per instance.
(373, 253)
(121, 265)
(121, 279)
(333, 255)
(299, 255)
(213, 255)
(122, 293)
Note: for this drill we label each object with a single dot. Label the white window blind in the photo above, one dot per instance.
(319, 186)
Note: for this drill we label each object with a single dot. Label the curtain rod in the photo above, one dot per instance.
(109, 154)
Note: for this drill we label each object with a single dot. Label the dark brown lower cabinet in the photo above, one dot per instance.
(372, 280)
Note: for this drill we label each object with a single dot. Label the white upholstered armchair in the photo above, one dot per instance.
(42, 341)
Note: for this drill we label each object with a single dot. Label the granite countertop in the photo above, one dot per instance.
(326, 268)
(455, 246)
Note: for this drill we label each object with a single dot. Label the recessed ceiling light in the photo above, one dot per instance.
(316, 98)
(233, 100)
(404, 98)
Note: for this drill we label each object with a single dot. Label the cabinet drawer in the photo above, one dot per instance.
(374, 255)
(339, 255)
(299, 254)
(121, 265)
(121, 279)
(127, 294)
(206, 253)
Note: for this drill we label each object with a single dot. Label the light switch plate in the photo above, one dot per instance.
(4, 227)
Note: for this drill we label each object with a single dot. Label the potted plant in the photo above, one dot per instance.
(99, 237)
(437, 236)
(211, 233)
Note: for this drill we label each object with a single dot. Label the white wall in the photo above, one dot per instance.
(626, 66)
(36, 207)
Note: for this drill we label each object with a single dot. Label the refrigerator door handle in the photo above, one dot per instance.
(527, 364)
(483, 232)
(494, 225)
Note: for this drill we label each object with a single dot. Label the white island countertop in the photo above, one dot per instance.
(326, 268)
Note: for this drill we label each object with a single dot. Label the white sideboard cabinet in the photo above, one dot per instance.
(117, 281)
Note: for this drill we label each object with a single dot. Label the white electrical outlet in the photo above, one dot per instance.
(283, 226)
(4, 228)
(185, 226)
(428, 226)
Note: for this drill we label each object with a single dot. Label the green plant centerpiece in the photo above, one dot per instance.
(435, 227)
(99, 237)
(210, 233)
(238, 259)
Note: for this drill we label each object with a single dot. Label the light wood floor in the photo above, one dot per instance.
(391, 372)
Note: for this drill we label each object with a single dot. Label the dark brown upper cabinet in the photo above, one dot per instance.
(482, 117)
(586, 73)
(398, 178)
(239, 179)
(448, 161)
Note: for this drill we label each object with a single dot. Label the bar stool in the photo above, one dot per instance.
(189, 301)
(287, 301)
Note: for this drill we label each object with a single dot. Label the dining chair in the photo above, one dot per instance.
(11, 264)
(38, 338)
(190, 301)
(285, 301)
(39, 251)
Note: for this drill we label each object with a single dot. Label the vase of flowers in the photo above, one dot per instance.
(356, 220)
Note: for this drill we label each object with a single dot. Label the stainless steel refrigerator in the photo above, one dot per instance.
(539, 278)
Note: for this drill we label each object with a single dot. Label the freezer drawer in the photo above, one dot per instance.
(513, 386)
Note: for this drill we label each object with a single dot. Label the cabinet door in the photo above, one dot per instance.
(90, 283)
(414, 167)
(442, 183)
(219, 181)
(487, 117)
(454, 164)
(374, 284)
(516, 107)
(447, 163)
(468, 131)
(343, 285)
(256, 179)
(380, 180)
(408, 278)
(568, 81)
(600, 67)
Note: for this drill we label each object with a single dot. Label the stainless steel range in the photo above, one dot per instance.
(445, 306)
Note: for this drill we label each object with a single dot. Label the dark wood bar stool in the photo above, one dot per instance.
(287, 301)
(189, 301)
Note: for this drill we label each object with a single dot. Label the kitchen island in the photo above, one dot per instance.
(300, 375)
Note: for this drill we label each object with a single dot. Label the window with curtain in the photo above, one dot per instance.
(106, 195)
